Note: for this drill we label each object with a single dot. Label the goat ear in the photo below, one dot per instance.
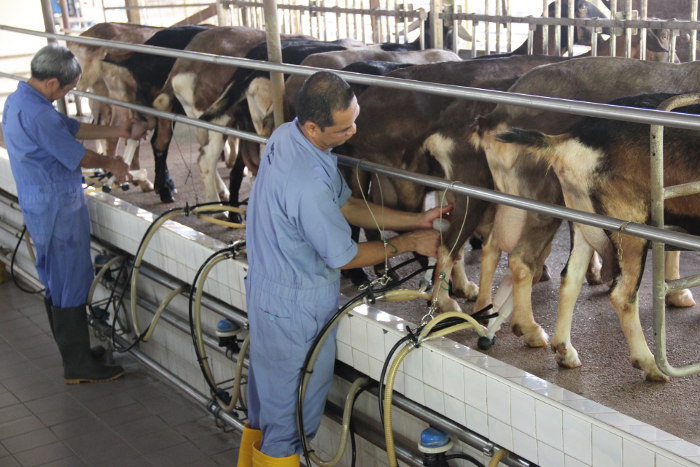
(654, 43)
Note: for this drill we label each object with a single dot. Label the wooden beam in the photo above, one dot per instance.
(198, 17)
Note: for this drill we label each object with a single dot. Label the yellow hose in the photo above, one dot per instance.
(424, 336)
(388, 395)
(100, 275)
(497, 458)
(161, 308)
(147, 239)
(345, 427)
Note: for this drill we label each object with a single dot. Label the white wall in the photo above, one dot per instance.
(16, 50)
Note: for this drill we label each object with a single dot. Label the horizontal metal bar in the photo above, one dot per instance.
(683, 25)
(641, 230)
(683, 283)
(648, 116)
(410, 14)
(685, 189)
(159, 113)
(681, 240)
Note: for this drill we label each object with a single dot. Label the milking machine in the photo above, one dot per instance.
(98, 178)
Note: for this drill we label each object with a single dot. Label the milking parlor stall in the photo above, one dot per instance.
(558, 325)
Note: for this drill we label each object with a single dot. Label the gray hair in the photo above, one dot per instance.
(53, 61)
(322, 94)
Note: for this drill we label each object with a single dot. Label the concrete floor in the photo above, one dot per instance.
(137, 420)
(606, 376)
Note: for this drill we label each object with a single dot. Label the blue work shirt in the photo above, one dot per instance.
(296, 236)
(40, 141)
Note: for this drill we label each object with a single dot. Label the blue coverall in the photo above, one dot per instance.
(45, 160)
(297, 239)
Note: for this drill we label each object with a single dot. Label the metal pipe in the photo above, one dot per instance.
(274, 54)
(659, 287)
(557, 30)
(681, 240)
(571, 31)
(487, 28)
(643, 31)
(614, 32)
(628, 35)
(694, 32)
(545, 28)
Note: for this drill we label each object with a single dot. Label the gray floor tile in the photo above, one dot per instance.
(29, 440)
(72, 461)
(13, 412)
(79, 427)
(44, 454)
(7, 398)
(181, 454)
(138, 420)
(9, 461)
(19, 426)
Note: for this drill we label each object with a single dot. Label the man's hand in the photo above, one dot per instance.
(423, 242)
(426, 218)
(119, 169)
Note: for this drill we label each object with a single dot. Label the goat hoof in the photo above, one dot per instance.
(166, 195)
(485, 342)
(680, 299)
(235, 217)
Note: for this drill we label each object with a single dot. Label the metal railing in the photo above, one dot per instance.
(655, 234)
(659, 193)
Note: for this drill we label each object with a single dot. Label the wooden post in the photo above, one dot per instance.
(133, 15)
(274, 54)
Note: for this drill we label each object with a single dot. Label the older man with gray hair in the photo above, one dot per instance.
(46, 161)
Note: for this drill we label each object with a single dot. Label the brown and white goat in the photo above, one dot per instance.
(604, 168)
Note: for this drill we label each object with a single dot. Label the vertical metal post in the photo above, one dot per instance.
(660, 287)
(406, 8)
(594, 42)
(694, 32)
(545, 29)
(509, 26)
(499, 12)
(643, 31)
(436, 24)
(487, 28)
(613, 42)
(133, 15)
(571, 30)
(672, 51)
(274, 54)
(455, 31)
(557, 30)
(47, 11)
(628, 35)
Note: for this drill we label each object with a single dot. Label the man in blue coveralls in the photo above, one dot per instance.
(46, 159)
(298, 239)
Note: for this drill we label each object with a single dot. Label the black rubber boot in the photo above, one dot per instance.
(98, 352)
(73, 339)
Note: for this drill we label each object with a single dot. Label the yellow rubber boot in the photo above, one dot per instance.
(263, 460)
(245, 452)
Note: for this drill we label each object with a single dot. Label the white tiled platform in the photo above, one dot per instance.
(535, 419)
